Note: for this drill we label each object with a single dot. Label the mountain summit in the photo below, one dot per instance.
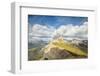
(58, 48)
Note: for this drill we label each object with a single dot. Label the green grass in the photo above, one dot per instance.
(32, 49)
(69, 47)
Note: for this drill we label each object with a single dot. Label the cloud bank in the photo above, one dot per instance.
(71, 30)
(36, 31)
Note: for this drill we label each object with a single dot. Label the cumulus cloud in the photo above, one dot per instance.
(41, 30)
(73, 30)
(37, 30)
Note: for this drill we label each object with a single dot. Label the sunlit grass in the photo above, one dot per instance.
(69, 47)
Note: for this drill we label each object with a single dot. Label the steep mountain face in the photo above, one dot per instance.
(59, 49)
(56, 53)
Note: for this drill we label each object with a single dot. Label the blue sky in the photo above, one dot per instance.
(50, 26)
(56, 21)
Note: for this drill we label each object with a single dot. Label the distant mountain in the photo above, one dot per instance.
(37, 44)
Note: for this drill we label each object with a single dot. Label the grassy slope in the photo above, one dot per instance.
(69, 47)
(36, 55)
(60, 44)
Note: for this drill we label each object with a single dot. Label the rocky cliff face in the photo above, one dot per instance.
(56, 53)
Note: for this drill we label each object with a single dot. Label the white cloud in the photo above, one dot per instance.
(38, 30)
(71, 30)
(41, 30)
